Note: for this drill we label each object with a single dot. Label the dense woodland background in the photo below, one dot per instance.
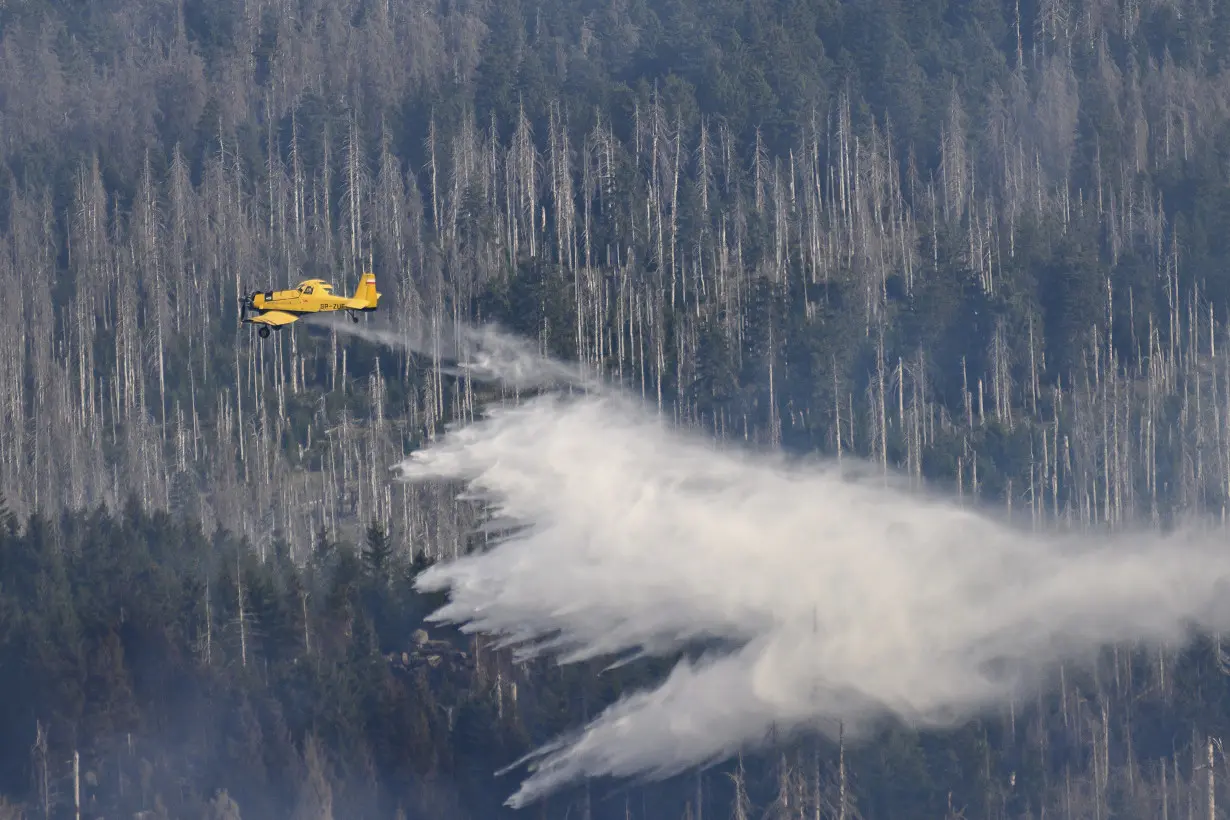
(983, 242)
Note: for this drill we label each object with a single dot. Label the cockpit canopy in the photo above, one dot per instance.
(309, 286)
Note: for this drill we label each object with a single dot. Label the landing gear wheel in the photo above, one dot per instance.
(354, 317)
(264, 331)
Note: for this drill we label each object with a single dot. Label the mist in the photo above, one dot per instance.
(844, 595)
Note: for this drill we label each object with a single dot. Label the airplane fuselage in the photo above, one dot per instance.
(278, 308)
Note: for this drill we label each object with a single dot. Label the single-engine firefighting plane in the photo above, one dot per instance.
(276, 308)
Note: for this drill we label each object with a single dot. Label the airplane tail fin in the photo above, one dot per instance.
(366, 291)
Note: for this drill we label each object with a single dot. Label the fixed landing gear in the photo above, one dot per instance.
(264, 331)
(354, 317)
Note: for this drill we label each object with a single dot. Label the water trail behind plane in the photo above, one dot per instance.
(485, 353)
(845, 597)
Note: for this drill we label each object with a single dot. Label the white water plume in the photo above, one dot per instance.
(845, 599)
(485, 353)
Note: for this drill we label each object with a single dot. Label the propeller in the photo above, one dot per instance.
(245, 304)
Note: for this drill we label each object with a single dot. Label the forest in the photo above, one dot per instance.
(978, 242)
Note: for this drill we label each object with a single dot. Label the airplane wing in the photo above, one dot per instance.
(273, 317)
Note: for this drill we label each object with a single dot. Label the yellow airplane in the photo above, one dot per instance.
(276, 308)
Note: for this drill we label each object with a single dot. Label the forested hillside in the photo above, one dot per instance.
(983, 243)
